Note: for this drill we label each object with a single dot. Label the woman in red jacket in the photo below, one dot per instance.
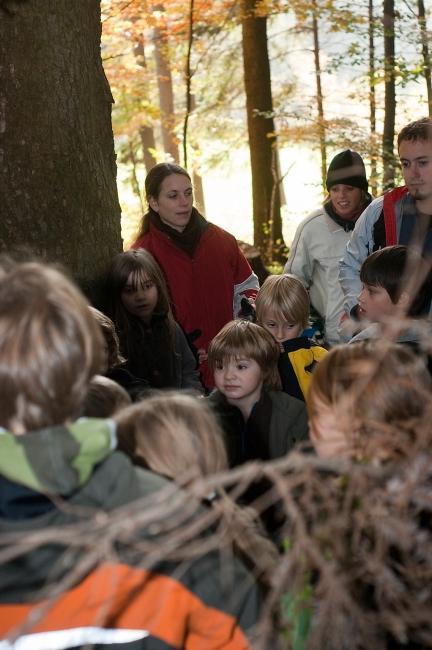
(207, 274)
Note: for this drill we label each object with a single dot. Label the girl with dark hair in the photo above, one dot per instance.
(153, 343)
(206, 272)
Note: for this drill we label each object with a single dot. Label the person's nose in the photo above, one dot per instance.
(229, 372)
(280, 333)
(361, 296)
(415, 169)
(139, 295)
(411, 172)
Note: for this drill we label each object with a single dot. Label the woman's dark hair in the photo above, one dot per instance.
(153, 182)
(142, 266)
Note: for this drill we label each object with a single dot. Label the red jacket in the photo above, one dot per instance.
(206, 289)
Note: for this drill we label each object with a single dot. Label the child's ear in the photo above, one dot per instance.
(153, 203)
(404, 300)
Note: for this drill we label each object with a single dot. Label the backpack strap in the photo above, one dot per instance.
(390, 198)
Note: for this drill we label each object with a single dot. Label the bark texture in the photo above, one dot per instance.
(427, 61)
(319, 95)
(58, 194)
(262, 141)
(389, 160)
(166, 93)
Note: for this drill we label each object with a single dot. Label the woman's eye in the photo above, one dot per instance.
(270, 324)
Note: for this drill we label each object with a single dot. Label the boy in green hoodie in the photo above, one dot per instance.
(76, 582)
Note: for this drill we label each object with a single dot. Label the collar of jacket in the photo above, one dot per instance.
(56, 460)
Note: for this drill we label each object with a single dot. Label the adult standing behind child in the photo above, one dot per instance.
(321, 239)
(401, 216)
(282, 308)
(206, 272)
(153, 343)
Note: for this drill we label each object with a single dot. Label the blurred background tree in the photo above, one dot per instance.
(332, 82)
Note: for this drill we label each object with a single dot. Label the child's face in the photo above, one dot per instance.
(327, 438)
(241, 381)
(142, 302)
(281, 330)
(375, 303)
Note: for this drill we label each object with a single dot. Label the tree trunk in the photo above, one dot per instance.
(146, 132)
(427, 65)
(262, 141)
(389, 161)
(372, 103)
(198, 191)
(188, 79)
(320, 99)
(148, 145)
(58, 192)
(166, 95)
(134, 174)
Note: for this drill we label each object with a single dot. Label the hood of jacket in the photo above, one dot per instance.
(57, 460)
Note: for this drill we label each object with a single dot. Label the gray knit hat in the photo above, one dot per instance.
(347, 168)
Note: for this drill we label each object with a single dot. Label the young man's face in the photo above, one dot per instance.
(281, 330)
(375, 303)
(241, 381)
(416, 161)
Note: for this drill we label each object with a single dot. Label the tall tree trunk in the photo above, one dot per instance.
(134, 175)
(427, 65)
(262, 140)
(188, 79)
(372, 103)
(148, 145)
(166, 94)
(146, 132)
(319, 95)
(389, 160)
(198, 191)
(58, 193)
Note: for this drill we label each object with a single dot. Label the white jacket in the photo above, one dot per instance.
(318, 245)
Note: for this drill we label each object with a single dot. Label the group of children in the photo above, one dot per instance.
(262, 370)
(273, 388)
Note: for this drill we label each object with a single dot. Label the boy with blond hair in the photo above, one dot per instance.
(282, 308)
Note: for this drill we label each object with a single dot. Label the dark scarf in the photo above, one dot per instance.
(187, 240)
(149, 352)
(346, 224)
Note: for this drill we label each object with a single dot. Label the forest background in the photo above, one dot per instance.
(257, 97)
(254, 97)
